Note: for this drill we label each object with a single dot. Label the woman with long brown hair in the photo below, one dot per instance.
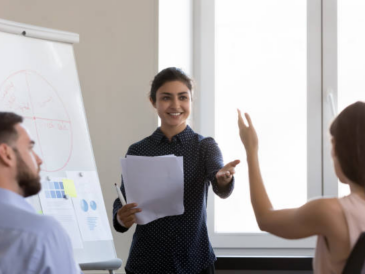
(338, 222)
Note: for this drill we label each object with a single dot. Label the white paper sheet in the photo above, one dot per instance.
(156, 184)
(54, 204)
(89, 206)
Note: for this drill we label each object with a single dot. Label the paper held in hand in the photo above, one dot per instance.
(156, 184)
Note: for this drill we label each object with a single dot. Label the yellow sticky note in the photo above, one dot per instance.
(69, 186)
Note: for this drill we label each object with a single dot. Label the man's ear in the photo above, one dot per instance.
(6, 155)
(153, 103)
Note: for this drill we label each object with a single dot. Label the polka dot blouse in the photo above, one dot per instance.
(178, 244)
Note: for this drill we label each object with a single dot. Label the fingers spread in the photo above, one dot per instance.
(241, 122)
(248, 118)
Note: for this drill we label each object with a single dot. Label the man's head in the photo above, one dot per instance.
(19, 164)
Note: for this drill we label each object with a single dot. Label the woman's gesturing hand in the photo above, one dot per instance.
(224, 175)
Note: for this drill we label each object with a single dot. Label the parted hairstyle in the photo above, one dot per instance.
(348, 132)
(168, 75)
(7, 130)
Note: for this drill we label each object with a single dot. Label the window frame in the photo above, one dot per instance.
(320, 173)
(329, 75)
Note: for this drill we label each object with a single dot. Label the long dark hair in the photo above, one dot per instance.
(348, 132)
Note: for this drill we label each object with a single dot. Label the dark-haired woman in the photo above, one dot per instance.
(338, 222)
(176, 244)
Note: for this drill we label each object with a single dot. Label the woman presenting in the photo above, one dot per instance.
(176, 244)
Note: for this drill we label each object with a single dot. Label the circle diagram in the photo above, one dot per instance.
(30, 95)
(93, 205)
(84, 205)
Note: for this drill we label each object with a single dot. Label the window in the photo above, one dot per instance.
(290, 64)
(175, 37)
(253, 40)
(351, 57)
(175, 34)
(260, 63)
(282, 61)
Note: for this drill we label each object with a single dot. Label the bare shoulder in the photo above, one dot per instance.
(325, 208)
(324, 205)
(336, 216)
(327, 213)
(332, 204)
(333, 209)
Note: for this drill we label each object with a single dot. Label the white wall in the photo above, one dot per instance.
(116, 60)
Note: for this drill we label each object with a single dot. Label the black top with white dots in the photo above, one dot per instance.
(178, 244)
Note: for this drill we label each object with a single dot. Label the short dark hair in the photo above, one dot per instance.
(168, 75)
(7, 130)
(348, 132)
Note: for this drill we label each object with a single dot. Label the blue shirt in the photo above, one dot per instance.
(32, 243)
(178, 244)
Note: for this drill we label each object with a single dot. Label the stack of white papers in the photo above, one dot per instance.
(156, 184)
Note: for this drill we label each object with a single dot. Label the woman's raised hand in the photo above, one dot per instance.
(248, 134)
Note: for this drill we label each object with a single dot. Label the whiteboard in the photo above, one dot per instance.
(39, 80)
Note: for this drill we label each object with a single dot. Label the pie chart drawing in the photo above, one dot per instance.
(93, 205)
(32, 96)
(84, 205)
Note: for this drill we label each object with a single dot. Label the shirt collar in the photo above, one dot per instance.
(183, 137)
(13, 199)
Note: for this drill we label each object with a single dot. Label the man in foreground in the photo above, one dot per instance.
(29, 242)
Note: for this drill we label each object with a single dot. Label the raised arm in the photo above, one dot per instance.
(311, 219)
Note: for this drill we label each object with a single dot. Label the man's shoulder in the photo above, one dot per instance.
(38, 231)
(45, 226)
(27, 222)
(37, 238)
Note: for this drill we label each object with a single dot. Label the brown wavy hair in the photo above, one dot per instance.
(168, 75)
(348, 132)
